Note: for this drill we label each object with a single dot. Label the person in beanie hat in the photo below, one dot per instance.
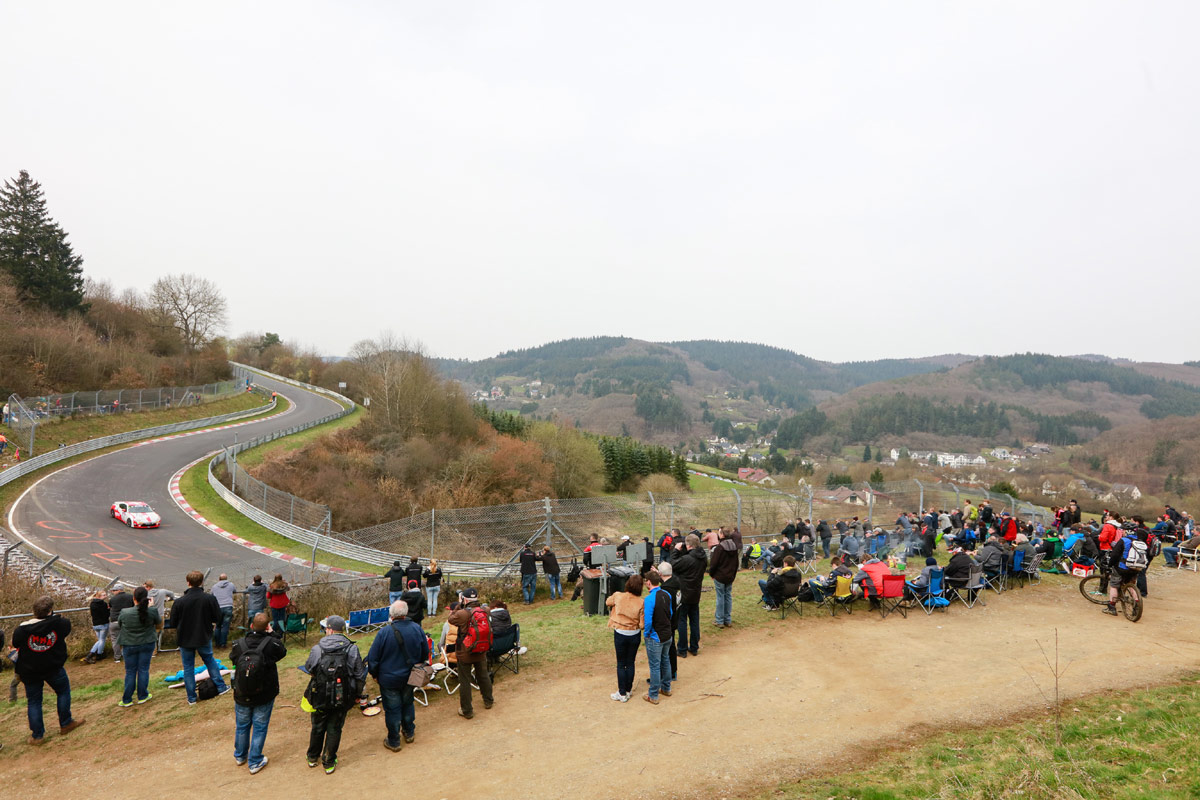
(397, 577)
(334, 658)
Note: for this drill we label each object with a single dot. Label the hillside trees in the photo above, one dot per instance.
(34, 250)
(192, 305)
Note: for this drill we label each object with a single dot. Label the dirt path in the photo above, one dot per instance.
(834, 687)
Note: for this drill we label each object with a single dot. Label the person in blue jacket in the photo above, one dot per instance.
(658, 633)
(390, 661)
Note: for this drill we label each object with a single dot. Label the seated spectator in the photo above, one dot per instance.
(500, 619)
(850, 548)
(992, 557)
(838, 569)
(768, 555)
(958, 569)
(784, 582)
(1171, 552)
(1022, 544)
(449, 635)
(922, 580)
(868, 581)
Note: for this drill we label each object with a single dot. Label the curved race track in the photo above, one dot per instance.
(66, 513)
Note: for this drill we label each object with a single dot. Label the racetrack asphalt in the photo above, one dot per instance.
(67, 512)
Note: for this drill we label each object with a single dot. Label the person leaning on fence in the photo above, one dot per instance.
(463, 619)
(139, 631)
(553, 572)
(223, 590)
(277, 599)
(529, 562)
(338, 675)
(396, 581)
(98, 609)
(255, 687)
(433, 586)
(390, 661)
(41, 645)
(118, 602)
(256, 597)
(193, 617)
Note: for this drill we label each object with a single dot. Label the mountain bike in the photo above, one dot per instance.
(1095, 589)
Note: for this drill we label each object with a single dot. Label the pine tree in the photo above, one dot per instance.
(876, 479)
(866, 453)
(680, 472)
(34, 250)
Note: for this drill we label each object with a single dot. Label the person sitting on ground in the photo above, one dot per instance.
(958, 568)
(500, 618)
(414, 599)
(784, 582)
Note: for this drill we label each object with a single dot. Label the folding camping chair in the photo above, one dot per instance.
(1033, 570)
(421, 693)
(506, 652)
(892, 598)
(793, 602)
(296, 625)
(843, 596)
(1016, 569)
(932, 596)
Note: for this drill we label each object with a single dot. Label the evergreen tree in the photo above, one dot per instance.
(876, 479)
(879, 454)
(866, 454)
(680, 472)
(34, 250)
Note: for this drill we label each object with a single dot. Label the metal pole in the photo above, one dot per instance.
(739, 507)
(292, 511)
(42, 571)
(653, 509)
(810, 499)
(432, 529)
(112, 583)
(921, 501)
(957, 497)
(549, 521)
(264, 483)
(870, 508)
(671, 515)
(231, 463)
(8, 550)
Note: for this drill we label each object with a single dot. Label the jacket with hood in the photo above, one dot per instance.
(272, 649)
(529, 561)
(332, 643)
(657, 615)
(224, 591)
(193, 616)
(390, 664)
(118, 603)
(41, 646)
(689, 569)
(550, 563)
(397, 578)
(723, 567)
(672, 587)
(413, 572)
(417, 605)
(991, 556)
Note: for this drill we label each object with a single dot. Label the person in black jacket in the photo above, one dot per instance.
(433, 586)
(723, 570)
(648, 562)
(193, 616)
(120, 601)
(41, 645)
(254, 695)
(529, 561)
(413, 572)
(789, 531)
(552, 572)
(824, 531)
(670, 585)
(98, 608)
(397, 578)
(689, 565)
(414, 598)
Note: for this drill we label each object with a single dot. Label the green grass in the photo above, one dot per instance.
(712, 471)
(254, 457)
(1121, 746)
(79, 429)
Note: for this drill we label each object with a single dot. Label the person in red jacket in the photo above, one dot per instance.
(1008, 527)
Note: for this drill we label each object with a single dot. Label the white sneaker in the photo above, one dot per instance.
(617, 696)
(258, 768)
(624, 698)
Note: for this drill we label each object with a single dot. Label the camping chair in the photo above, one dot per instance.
(450, 670)
(791, 601)
(843, 596)
(295, 625)
(892, 598)
(822, 595)
(970, 593)
(807, 559)
(931, 596)
(505, 652)
(358, 621)
(1016, 569)
(1033, 570)
(421, 693)
(1185, 555)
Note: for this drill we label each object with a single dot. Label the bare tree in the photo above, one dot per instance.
(194, 306)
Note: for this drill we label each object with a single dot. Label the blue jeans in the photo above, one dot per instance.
(101, 632)
(61, 685)
(188, 656)
(659, 656)
(528, 587)
(762, 587)
(1171, 554)
(555, 582)
(279, 618)
(724, 612)
(394, 596)
(399, 712)
(431, 597)
(251, 731)
(137, 671)
(221, 635)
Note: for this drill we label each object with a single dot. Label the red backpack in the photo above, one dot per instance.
(478, 638)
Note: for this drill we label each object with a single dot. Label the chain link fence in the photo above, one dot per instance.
(22, 415)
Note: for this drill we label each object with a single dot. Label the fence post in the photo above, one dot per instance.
(653, 511)
(957, 497)
(432, 529)
(671, 515)
(921, 501)
(870, 507)
(810, 504)
(44, 567)
(292, 511)
(7, 551)
(264, 483)
(139, 399)
(231, 463)
(739, 507)
(549, 520)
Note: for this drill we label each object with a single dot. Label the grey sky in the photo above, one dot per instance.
(848, 180)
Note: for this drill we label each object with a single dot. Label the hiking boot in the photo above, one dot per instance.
(1110, 610)
(665, 692)
(395, 748)
(650, 699)
(37, 741)
(488, 703)
(90, 658)
(257, 768)
(465, 715)
(70, 726)
(409, 738)
(683, 653)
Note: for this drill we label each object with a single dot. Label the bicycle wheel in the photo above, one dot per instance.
(1131, 602)
(1089, 587)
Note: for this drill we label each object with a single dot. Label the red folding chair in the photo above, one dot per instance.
(892, 598)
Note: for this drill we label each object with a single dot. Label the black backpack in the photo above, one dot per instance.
(330, 687)
(249, 677)
(573, 575)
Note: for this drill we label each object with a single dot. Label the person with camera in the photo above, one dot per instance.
(337, 676)
(396, 649)
(690, 565)
(470, 651)
(41, 645)
(255, 659)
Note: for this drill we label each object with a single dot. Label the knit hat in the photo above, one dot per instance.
(931, 561)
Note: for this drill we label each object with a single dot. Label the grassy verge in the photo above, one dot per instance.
(1121, 746)
(80, 429)
(254, 457)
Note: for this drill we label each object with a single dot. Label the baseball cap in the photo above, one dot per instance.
(469, 594)
(333, 623)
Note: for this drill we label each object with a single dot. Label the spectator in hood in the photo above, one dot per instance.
(414, 599)
(41, 645)
(223, 590)
(397, 577)
(722, 568)
(689, 565)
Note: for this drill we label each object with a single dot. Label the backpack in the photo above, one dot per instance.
(1136, 555)
(250, 672)
(666, 542)
(206, 689)
(573, 575)
(478, 638)
(330, 687)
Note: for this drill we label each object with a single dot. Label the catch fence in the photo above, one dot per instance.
(24, 414)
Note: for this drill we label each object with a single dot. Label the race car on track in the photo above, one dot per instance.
(135, 514)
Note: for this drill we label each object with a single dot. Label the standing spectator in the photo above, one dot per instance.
(41, 645)
(119, 601)
(193, 617)
(670, 585)
(625, 619)
(256, 598)
(98, 608)
(553, 572)
(396, 580)
(529, 561)
(223, 590)
(657, 629)
(414, 600)
(390, 661)
(338, 676)
(3, 441)
(689, 565)
(433, 585)
(647, 562)
(277, 599)
(139, 632)
(665, 544)
(711, 538)
(463, 618)
(723, 568)
(824, 531)
(413, 572)
(255, 687)
(158, 601)
(789, 531)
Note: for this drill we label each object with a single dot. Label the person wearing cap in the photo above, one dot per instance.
(326, 733)
(529, 562)
(461, 619)
(396, 576)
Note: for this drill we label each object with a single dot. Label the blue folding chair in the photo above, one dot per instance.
(932, 596)
(1016, 568)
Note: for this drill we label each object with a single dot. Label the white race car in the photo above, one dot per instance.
(135, 514)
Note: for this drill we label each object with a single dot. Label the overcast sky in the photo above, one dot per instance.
(849, 180)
